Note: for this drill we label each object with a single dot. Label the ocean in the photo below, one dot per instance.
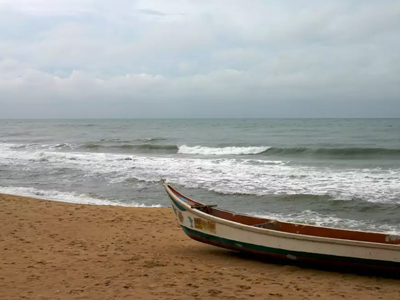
(342, 173)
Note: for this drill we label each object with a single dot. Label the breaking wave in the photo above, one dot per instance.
(147, 146)
(200, 150)
(99, 147)
(133, 147)
(353, 153)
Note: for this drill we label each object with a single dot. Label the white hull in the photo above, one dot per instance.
(233, 235)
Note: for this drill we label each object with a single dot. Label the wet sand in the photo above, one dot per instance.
(54, 250)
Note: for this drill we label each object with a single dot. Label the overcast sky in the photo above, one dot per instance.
(121, 59)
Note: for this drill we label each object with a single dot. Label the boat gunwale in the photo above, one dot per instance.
(282, 234)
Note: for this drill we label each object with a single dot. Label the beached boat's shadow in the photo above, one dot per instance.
(229, 255)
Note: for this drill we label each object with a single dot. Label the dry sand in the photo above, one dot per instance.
(53, 250)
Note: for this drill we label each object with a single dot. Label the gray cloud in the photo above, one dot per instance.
(241, 59)
(151, 12)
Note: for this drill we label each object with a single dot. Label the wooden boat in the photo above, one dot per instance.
(298, 243)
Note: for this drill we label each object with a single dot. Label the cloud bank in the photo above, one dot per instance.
(79, 59)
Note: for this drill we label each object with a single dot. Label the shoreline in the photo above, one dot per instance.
(61, 250)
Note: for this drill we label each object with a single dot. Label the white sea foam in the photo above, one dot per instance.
(65, 197)
(200, 150)
(313, 218)
(222, 175)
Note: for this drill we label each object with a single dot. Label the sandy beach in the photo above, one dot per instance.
(54, 250)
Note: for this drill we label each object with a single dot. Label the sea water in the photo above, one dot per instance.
(332, 172)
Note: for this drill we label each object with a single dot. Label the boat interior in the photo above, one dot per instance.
(295, 228)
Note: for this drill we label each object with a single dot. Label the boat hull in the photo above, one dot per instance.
(300, 249)
(283, 256)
